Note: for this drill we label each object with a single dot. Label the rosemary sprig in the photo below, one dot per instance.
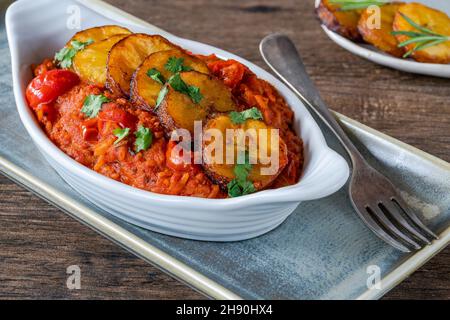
(423, 37)
(358, 4)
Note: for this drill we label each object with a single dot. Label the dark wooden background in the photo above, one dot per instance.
(38, 242)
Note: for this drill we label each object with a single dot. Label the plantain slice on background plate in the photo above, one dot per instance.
(98, 33)
(127, 55)
(431, 19)
(150, 77)
(214, 161)
(382, 37)
(90, 63)
(342, 22)
(179, 110)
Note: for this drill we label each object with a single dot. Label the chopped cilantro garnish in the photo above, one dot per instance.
(175, 65)
(121, 134)
(238, 188)
(66, 54)
(234, 189)
(144, 139)
(78, 45)
(241, 117)
(162, 94)
(179, 85)
(194, 93)
(241, 186)
(156, 75)
(92, 105)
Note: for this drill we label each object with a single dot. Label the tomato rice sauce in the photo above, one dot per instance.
(91, 142)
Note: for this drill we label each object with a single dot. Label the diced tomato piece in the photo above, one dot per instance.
(90, 130)
(90, 123)
(44, 67)
(47, 87)
(112, 112)
(90, 134)
(230, 71)
(47, 111)
(176, 161)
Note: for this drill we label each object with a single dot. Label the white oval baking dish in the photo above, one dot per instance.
(34, 36)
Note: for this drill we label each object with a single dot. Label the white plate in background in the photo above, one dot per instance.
(408, 65)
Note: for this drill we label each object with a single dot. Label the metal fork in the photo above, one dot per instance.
(376, 200)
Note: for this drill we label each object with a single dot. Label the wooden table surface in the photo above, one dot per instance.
(38, 242)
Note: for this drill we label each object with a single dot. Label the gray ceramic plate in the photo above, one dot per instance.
(323, 253)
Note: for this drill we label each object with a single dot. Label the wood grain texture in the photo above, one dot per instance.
(38, 242)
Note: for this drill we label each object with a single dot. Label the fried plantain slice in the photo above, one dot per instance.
(127, 55)
(432, 19)
(90, 63)
(144, 89)
(254, 132)
(381, 37)
(344, 23)
(98, 33)
(179, 111)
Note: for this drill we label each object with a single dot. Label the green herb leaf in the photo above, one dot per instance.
(162, 94)
(65, 55)
(144, 139)
(419, 39)
(248, 187)
(423, 38)
(121, 134)
(346, 5)
(175, 65)
(241, 186)
(430, 44)
(78, 45)
(195, 94)
(156, 75)
(407, 33)
(179, 85)
(241, 117)
(234, 189)
(417, 26)
(92, 105)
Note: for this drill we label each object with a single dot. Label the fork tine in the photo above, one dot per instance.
(408, 212)
(393, 210)
(392, 228)
(377, 229)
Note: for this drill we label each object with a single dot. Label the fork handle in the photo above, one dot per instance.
(280, 54)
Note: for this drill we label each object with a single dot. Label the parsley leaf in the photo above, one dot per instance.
(241, 171)
(144, 139)
(121, 134)
(92, 105)
(156, 75)
(247, 187)
(175, 65)
(179, 85)
(241, 186)
(194, 93)
(66, 54)
(241, 117)
(162, 94)
(78, 45)
(234, 189)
